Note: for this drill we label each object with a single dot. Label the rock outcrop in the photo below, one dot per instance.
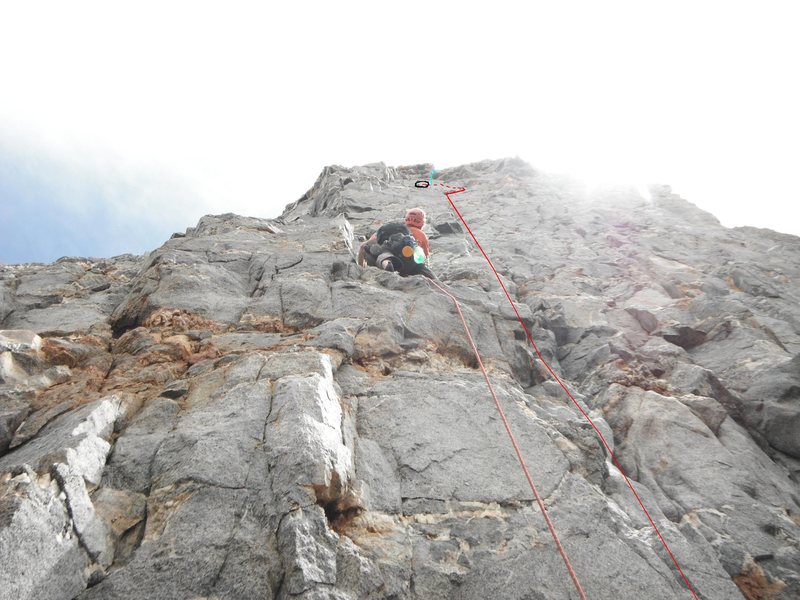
(246, 413)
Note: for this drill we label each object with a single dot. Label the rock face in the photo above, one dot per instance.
(246, 413)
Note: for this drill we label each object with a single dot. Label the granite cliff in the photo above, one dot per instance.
(246, 413)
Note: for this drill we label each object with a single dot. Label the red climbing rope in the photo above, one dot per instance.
(571, 397)
(516, 446)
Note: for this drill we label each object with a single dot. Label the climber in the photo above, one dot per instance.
(401, 247)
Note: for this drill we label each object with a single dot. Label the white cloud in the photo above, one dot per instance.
(248, 102)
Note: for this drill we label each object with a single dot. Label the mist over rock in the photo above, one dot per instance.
(246, 413)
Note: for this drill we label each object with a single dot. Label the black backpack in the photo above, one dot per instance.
(393, 238)
(387, 230)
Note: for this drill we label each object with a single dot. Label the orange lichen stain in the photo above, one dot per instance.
(179, 319)
(266, 324)
(56, 352)
(755, 585)
(161, 507)
(371, 524)
(729, 280)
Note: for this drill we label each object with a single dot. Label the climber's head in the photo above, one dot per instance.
(415, 217)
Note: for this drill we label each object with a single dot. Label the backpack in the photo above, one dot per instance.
(387, 230)
(396, 238)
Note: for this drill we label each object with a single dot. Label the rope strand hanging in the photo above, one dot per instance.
(517, 449)
(454, 191)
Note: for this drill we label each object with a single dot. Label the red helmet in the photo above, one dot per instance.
(415, 217)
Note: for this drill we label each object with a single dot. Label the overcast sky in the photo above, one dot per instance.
(121, 124)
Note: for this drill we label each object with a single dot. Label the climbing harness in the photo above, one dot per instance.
(454, 191)
(514, 443)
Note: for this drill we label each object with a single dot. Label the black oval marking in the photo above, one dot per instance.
(421, 184)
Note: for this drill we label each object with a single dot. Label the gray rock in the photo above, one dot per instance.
(41, 555)
(782, 429)
(380, 487)
(90, 529)
(682, 480)
(212, 444)
(121, 510)
(306, 302)
(25, 370)
(245, 341)
(325, 431)
(308, 459)
(773, 399)
(309, 548)
(175, 389)
(191, 539)
(175, 280)
(63, 318)
(689, 378)
(19, 341)
(11, 372)
(130, 463)
(684, 336)
(463, 457)
(357, 576)
(711, 412)
(645, 318)
(78, 439)
(36, 421)
(14, 408)
(337, 333)
(283, 364)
